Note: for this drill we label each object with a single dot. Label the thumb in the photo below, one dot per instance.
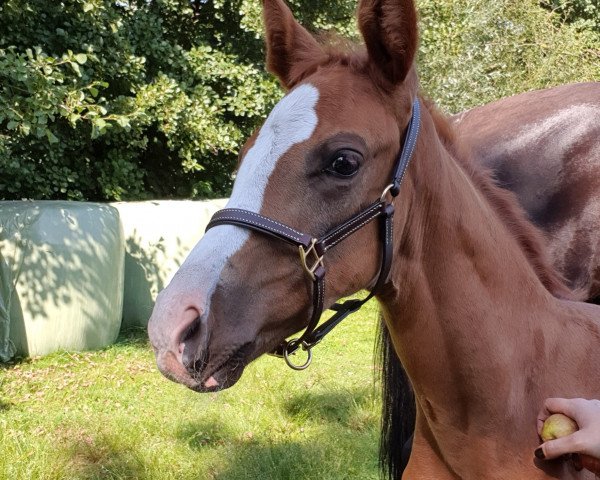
(560, 446)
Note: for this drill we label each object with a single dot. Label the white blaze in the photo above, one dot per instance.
(293, 120)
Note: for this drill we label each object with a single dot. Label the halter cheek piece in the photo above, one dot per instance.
(312, 250)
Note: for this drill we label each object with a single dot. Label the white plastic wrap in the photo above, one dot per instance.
(61, 276)
(158, 238)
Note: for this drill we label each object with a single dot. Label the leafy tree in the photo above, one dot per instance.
(134, 99)
(118, 100)
(476, 51)
(583, 13)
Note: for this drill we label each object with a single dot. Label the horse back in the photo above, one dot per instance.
(545, 147)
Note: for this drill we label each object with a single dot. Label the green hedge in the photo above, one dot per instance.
(477, 51)
(121, 100)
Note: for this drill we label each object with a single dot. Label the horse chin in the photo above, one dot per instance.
(225, 377)
(225, 372)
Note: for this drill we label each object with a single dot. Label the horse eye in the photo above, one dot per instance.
(344, 163)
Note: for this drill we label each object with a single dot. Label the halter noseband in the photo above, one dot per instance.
(312, 250)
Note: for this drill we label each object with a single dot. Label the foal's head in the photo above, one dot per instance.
(324, 152)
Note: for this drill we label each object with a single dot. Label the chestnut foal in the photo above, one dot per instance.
(467, 299)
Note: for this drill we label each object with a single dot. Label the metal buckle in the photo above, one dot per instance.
(291, 348)
(317, 259)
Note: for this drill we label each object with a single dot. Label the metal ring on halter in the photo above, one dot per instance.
(286, 355)
(386, 191)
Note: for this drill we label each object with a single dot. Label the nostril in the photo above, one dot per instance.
(191, 342)
(191, 331)
(189, 325)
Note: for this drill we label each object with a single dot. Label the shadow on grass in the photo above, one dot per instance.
(5, 406)
(133, 336)
(334, 407)
(281, 461)
(343, 446)
(200, 434)
(13, 362)
(136, 337)
(249, 458)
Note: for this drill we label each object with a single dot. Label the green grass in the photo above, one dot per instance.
(109, 414)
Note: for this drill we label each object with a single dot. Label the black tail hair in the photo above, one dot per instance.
(398, 408)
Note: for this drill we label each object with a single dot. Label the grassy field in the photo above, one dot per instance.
(110, 415)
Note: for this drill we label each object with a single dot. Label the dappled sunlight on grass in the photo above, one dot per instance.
(110, 414)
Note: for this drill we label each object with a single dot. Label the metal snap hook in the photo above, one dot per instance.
(385, 192)
(291, 348)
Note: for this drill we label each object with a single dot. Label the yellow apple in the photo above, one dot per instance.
(558, 425)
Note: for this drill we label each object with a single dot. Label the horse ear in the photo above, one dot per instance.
(289, 46)
(390, 30)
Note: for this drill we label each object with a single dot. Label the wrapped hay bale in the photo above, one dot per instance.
(61, 276)
(158, 237)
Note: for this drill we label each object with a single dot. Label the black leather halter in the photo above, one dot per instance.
(312, 250)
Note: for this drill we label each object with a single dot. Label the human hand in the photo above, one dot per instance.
(585, 441)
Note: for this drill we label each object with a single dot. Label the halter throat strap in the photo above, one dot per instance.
(312, 250)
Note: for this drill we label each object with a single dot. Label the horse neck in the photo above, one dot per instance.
(463, 302)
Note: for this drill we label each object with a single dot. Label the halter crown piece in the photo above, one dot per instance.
(312, 250)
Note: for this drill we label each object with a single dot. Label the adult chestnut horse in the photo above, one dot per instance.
(545, 146)
(468, 299)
